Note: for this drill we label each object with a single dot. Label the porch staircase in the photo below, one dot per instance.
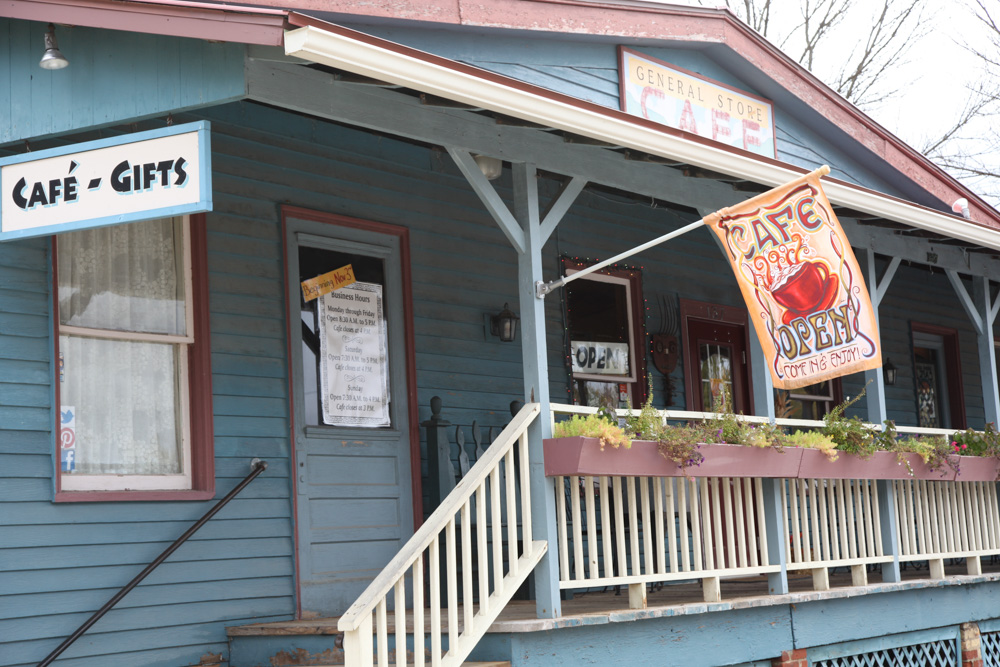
(483, 528)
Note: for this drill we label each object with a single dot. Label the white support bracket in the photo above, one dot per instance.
(982, 310)
(560, 205)
(966, 300)
(883, 285)
(494, 204)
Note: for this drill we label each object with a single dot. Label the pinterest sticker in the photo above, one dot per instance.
(67, 437)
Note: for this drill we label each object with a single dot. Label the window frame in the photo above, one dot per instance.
(197, 482)
(632, 280)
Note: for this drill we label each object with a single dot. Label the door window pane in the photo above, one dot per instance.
(716, 368)
(315, 262)
(928, 388)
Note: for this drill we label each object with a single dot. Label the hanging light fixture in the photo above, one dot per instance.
(889, 372)
(53, 57)
(491, 167)
(504, 324)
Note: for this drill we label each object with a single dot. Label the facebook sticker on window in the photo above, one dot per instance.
(67, 438)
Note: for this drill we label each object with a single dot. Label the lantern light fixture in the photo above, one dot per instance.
(889, 372)
(504, 324)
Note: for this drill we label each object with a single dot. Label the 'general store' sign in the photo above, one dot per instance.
(139, 176)
(667, 94)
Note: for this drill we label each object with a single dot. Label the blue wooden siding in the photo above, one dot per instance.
(152, 75)
(59, 562)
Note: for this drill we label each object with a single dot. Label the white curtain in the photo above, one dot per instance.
(124, 394)
(124, 277)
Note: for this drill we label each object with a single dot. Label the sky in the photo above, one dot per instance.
(934, 79)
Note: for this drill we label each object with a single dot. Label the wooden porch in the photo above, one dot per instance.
(605, 606)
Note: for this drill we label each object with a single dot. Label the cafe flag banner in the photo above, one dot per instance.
(801, 282)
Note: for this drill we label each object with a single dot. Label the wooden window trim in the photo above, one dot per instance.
(712, 312)
(199, 403)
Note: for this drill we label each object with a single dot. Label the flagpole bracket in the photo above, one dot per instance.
(542, 288)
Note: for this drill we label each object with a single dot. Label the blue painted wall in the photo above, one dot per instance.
(113, 77)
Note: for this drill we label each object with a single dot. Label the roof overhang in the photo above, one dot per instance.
(177, 18)
(379, 59)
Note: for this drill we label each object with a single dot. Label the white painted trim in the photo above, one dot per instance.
(346, 53)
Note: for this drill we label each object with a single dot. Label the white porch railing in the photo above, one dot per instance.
(636, 530)
(938, 520)
(474, 523)
(659, 529)
(832, 523)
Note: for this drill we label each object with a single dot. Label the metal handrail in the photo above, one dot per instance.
(258, 467)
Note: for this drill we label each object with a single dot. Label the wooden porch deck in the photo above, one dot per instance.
(605, 606)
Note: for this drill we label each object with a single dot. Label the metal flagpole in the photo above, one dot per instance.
(541, 289)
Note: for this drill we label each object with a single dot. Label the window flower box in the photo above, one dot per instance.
(583, 456)
(977, 469)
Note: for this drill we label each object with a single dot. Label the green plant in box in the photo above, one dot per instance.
(593, 426)
(975, 443)
(850, 434)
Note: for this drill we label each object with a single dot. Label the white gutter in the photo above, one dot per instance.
(353, 55)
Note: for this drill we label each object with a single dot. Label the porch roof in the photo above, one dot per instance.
(349, 50)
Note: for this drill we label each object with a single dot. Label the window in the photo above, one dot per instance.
(810, 402)
(716, 367)
(133, 384)
(604, 322)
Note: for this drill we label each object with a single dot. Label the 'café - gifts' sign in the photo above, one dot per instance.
(660, 92)
(139, 176)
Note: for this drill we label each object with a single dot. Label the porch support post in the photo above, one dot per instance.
(774, 511)
(982, 311)
(763, 385)
(890, 537)
(536, 386)
(874, 380)
(987, 351)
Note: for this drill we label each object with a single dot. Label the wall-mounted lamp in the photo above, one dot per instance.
(889, 372)
(53, 57)
(491, 167)
(504, 325)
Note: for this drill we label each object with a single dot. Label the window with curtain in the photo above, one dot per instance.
(125, 325)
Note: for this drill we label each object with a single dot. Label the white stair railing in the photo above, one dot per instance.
(470, 522)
